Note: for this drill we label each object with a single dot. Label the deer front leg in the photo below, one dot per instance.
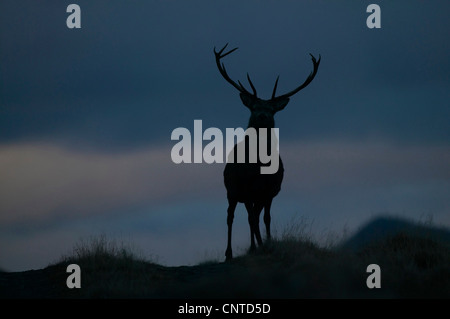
(267, 219)
(251, 223)
(230, 217)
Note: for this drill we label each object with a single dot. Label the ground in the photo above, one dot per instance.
(411, 267)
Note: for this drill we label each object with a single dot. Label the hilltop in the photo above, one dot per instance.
(414, 264)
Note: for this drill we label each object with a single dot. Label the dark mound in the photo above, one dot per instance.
(381, 228)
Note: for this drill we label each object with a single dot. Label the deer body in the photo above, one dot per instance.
(245, 184)
(243, 180)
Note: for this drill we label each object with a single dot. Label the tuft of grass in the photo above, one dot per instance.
(101, 252)
(110, 269)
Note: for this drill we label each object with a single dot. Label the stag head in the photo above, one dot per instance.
(262, 111)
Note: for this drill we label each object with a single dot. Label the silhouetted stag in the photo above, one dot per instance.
(243, 180)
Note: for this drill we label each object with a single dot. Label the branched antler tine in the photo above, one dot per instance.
(251, 84)
(242, 87)
(220, 55)
(223, 48)
(314, 59)
(231, 51)
(223, 71)
(307, 81)
(220, 52)
(275, 88)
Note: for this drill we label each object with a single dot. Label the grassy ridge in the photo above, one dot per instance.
(290, 267)
(413, 265)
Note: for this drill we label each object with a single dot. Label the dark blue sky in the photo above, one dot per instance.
(136, 70)
(86, 117)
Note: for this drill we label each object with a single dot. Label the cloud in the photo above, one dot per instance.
(350, 182)
(42, 181)
(365, 164)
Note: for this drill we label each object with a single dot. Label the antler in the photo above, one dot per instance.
(223, 71)
(308, 80)
(219, 55)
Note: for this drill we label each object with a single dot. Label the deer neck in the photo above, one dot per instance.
(264, 132)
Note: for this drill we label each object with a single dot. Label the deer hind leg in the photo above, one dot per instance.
(257, 208)
(267, 219)
(230, 216)
(254, 210)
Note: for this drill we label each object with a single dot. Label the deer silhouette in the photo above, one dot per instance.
(243, 180)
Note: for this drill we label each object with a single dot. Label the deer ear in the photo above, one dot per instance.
(280, 104)
(248, 100)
